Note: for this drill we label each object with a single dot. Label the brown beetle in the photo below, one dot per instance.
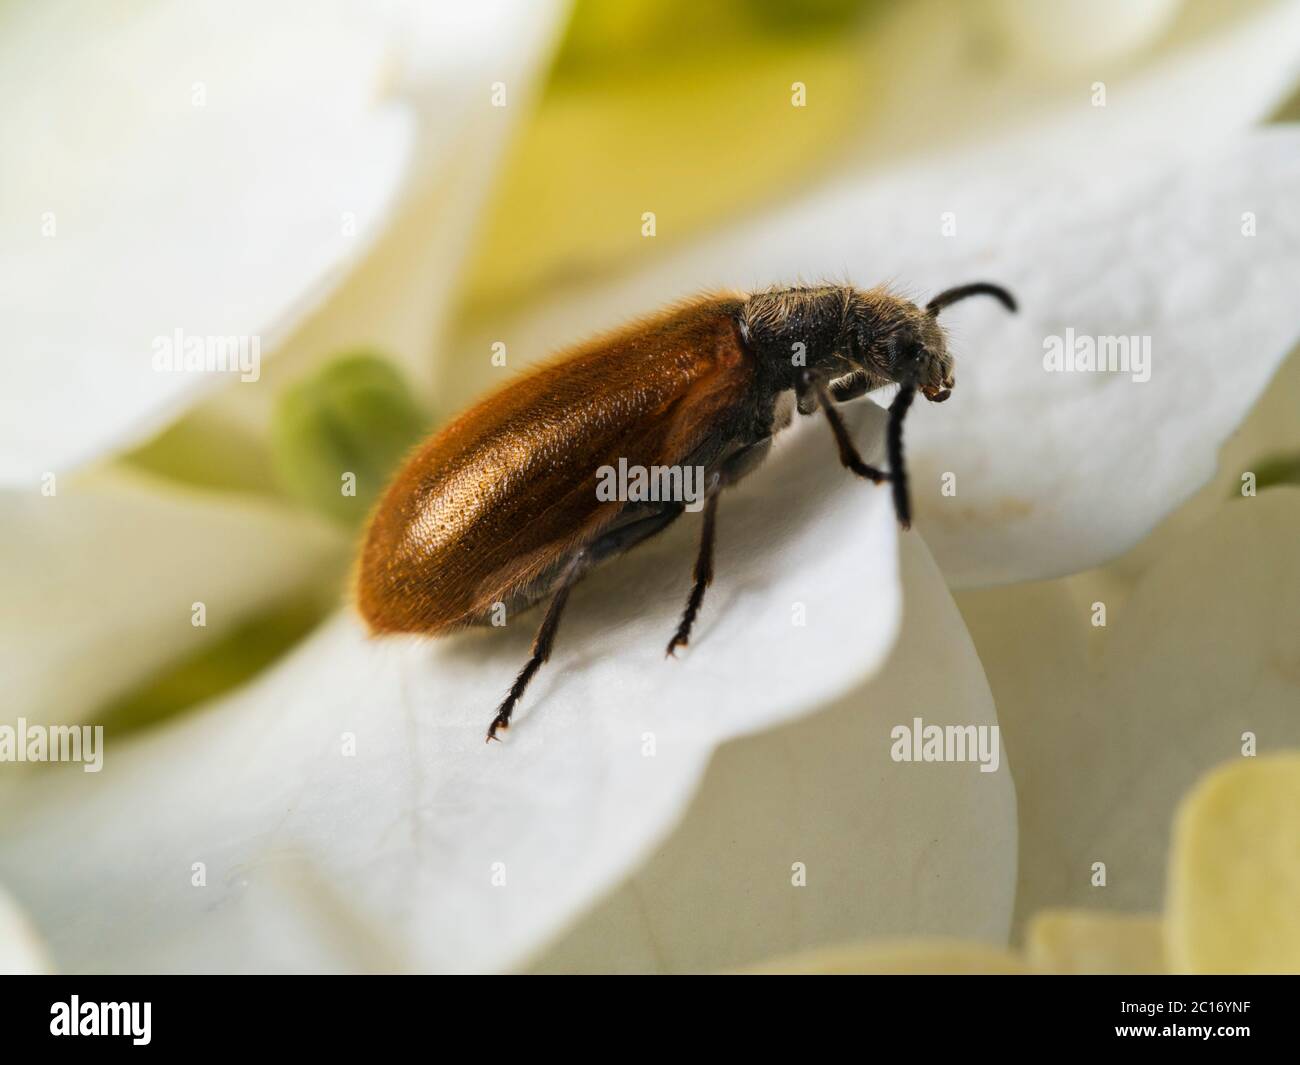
(500, 508)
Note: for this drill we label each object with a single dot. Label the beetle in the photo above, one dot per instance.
(499, 509)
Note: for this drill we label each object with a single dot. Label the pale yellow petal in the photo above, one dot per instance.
(1088, 942)
(945, 957)
(1234, 873)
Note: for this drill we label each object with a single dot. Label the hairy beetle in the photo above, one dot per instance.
(500, 508)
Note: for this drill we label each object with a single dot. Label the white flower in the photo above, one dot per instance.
(342, 812)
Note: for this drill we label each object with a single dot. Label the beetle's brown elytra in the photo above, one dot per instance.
(501, 505)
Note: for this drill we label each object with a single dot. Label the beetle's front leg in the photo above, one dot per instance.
(812, 393)
(851, 387)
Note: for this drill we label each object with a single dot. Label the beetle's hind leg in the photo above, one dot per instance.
(637, 524)
(542, 643)
(703, 575)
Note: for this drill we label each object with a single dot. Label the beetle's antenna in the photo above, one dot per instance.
(894, 445)
(975, 288)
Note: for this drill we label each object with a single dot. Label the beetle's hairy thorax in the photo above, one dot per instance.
(816, 315)
(805, 327)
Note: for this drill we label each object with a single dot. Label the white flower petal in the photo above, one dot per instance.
(232, 218)
(397, 300)
(1218, 69)
(1058, 472)
(100, 580)
(413, 829)
(1079, 34)
(1108, 727)
(887, 848)
(21, 951)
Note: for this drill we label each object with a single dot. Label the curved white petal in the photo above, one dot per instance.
(408, 835)
(1108, 727)
(214, 169)
(1218, 68)
(885, 848)
(100, 580)
(1058, 472)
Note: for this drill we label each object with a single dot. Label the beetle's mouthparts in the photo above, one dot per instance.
(934, 394)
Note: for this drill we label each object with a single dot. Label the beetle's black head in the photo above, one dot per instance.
(895, 341)
(840, 330)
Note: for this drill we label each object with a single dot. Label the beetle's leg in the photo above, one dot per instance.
(542, 643)
(703, 575)
(850, 387)
(897, 468)
(848, 453)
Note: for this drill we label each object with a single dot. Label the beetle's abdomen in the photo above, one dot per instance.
(491, 502)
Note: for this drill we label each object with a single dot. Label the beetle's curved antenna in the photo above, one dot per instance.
(975, 288)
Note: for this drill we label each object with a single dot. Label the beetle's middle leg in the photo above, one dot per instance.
(732, 469)
(542, 642)
(813, 386)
